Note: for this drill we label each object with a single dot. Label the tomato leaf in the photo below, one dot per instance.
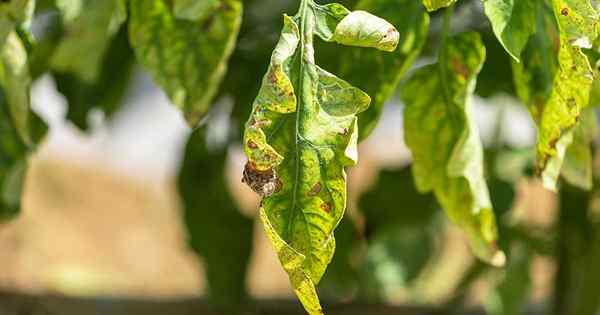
(512, 22)
(433, 5)
(188, 58)
(444, 140)
(301, 136)
(89, 27)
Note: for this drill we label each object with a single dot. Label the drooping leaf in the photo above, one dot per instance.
(217, 231)
(301, 135)
(444, 140)
(433, 5)
(188, 58)
(512, 22)
(376, 74)
(89, 27)
(107, 91)
(577, 23)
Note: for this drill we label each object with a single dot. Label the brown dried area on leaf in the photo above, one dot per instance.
(264, 183)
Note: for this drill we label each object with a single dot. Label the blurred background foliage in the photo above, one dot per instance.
(395, 245)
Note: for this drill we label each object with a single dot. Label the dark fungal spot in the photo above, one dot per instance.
(564, 11)
(315, 190)
(326, 207)
(251, 144)
(264, 183)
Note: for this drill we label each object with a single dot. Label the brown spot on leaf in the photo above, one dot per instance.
(564, 11)
(251, 144)
(344, 131)
(460, 68)
(278, 185)
(315, 190)
(326, 207)
(262, 182)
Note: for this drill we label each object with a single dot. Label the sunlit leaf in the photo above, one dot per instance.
(301, 135)
(444, 140)
(577, 24)
(89, 26)
(512, 22)
(188, 58)
(378, 74)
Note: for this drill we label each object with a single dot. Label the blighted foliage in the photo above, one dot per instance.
(301, 135)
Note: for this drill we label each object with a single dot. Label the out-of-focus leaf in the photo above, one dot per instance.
(194, 10)
(301, 135)
(512, 22)
(188, 58)
(20, 129)
(444, 140)
(15, 14)
(107, 91)
(577, 24)
(510, 296)
(577, 167)
(89, 26)
(217, 231)
(398, 220)
(340, 281)
(433, 5)
(378, 74)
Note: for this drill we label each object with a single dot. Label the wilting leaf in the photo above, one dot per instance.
(301, 135)
(89, 26)
(187, 58)
(433, 5)
(577, 24)
(217, 231)
(378, 74)
(444, 140)
(512, 22)
(107, 91)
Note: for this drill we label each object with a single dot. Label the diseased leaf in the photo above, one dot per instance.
(194, 10)
(379, 74)
(301, 135)
(433, 5)
(577, 23)
(188, 58)
(512, 22)
(216, 230)
(89, 26)
(444, 140)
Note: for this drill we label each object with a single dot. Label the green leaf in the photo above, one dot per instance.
(512, 23)
(444, 140)
(577, 24)
(510, 295)
(15, 14)
(194, 10)
(433, 5)
(188, 58)
(89, 26)
(217, 231)
(299, 139)
(20, 129)
(577, 166)
(379, 74)
(107, 92)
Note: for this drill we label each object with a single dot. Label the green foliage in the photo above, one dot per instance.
(301, 135)
(211, 217)
(187, 57)
(444, 140)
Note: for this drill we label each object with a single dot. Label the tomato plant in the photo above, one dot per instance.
(315, 103)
